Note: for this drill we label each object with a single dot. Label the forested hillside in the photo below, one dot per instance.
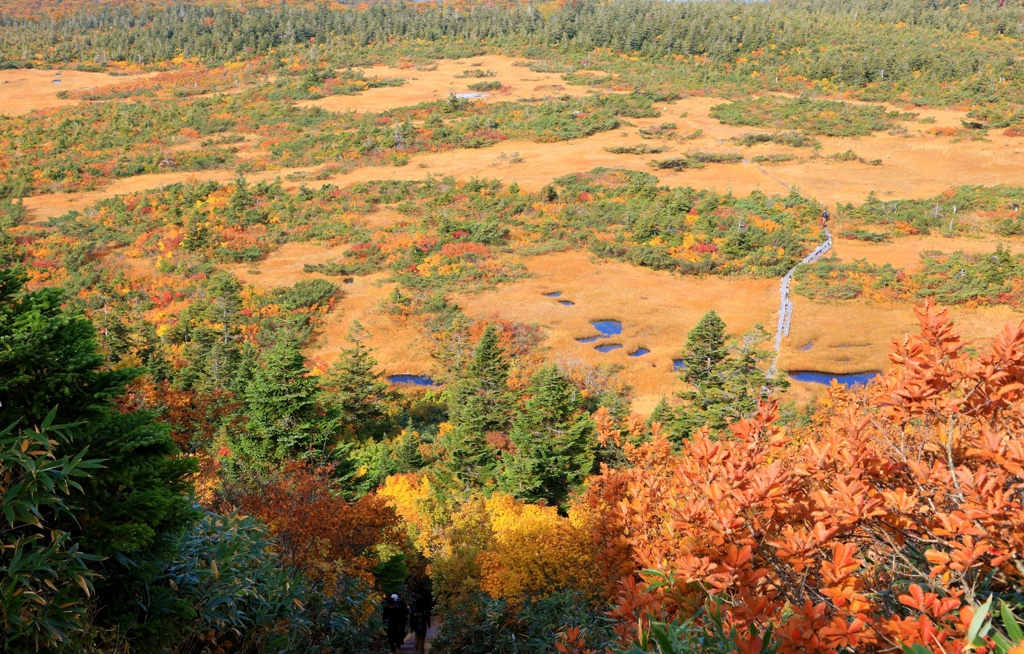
(307, 304)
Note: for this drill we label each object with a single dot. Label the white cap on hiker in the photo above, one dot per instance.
(394, 596)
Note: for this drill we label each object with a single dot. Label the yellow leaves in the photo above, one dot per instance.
(534, 550)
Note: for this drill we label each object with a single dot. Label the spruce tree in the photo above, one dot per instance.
(554, 439)
(356, 391)
(129, 508)
(281, 401)
(478, 403)
(727, 381)
(407, 450)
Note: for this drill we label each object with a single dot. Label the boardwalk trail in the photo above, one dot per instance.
(409, 646)
(785, 305)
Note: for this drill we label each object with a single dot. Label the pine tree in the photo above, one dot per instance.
(478, 403)
(481, 398)
(281, 402)
(357, 392)
(130, 507)
(407, 450)
(727, 381)
(705, 351)
(554, 439)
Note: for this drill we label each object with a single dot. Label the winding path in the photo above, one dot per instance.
(785, 305)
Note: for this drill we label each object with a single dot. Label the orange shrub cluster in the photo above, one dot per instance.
(886, 523)
(319, 532)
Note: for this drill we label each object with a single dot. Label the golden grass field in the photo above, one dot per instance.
(25, 90)
(656, 308)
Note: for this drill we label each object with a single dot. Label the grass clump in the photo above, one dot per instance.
(485, 86)
(642, 148)
(695, 159)
(791, 138)
(773, 158)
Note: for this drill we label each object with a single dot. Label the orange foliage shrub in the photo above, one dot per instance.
(884, 523)
(320, 533)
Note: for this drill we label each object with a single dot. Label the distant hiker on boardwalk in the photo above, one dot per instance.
(824, 217)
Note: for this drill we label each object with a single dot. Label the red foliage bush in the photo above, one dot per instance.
(887, 522)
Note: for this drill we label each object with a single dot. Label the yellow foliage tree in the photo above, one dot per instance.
(533, 551)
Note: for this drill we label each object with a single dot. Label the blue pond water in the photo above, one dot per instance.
(639, 352)
(566, 303)
(856, 379)
(416, 380)
(555, 294)
(607, 327)
(804, 348)
(608, 347)
(590, 339)
(678, 364)
(348, 280)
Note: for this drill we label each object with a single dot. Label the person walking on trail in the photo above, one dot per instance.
(395, 617)
(419, 622)
(824, 217)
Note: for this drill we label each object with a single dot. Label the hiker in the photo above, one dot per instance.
(824, 217)
(395, 616)
(419, 622)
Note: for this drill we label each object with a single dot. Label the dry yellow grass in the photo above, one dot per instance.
(905, 252)
(25, 90)
(430, 85)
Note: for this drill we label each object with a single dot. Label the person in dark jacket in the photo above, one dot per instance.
(419, 622)
(395, 615)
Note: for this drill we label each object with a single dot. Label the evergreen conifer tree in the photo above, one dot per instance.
(727, 381)
(128, 509)
(357, 392)
(407, 450)
(554, 439)
(478, 403)
(284, 416)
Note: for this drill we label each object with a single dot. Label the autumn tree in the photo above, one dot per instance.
(554, 442)
(886, 522)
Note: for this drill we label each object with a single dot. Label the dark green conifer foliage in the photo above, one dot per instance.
(479, 403)
(727, 380)
(129, 509)
(284, 416)
(407, 450)
(357, 392)
(554, 439)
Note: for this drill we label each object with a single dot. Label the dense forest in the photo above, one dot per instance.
(178, 474)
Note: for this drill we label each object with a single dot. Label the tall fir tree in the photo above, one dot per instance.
(285, 419)
(727, 380)
(554, 439)
(478, 403)
(129, 509)
(358, 393)
(407, 450)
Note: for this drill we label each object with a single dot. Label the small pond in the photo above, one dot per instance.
(415, 380)
(553, 294)
(804, 348)
(608, 347)
(566, 303)
(607, 327)
(678, 364)
(854, 379)
(590, 339)
(639, 352)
